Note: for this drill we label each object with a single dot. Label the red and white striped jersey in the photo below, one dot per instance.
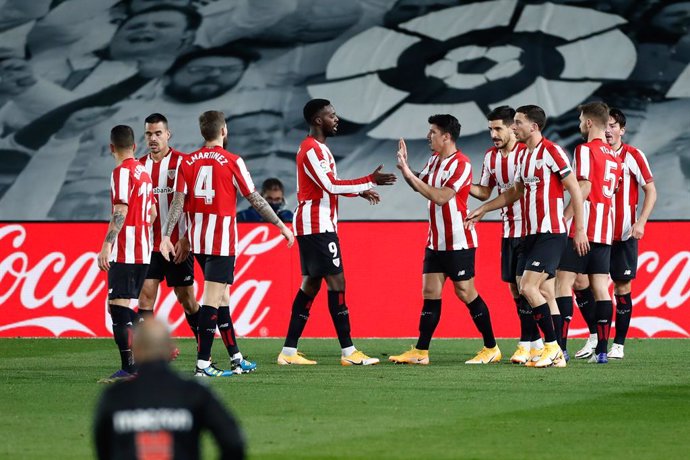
(318, 187)
(541, 171)
(636, 173)
(210, 178)
(163, 174)
(446, 223)
(498, 170)
(596, 162)
(130, 184)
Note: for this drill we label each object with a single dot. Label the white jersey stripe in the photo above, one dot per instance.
(123, 190)
(225, 238)
(130, 242)
(210, 230)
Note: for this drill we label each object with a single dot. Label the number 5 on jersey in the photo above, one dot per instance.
(203, 187)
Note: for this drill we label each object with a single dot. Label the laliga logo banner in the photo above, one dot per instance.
(469, 59)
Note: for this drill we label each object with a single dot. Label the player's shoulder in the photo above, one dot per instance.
(490, 153)
(308, 143)
(176, 153)
(632, 150)
(143, 158)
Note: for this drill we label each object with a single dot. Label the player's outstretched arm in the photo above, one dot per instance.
(116, 222)
(480, 192)
(174, 213)
(267, 213)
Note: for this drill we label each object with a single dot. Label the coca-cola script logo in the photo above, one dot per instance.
(52, 282)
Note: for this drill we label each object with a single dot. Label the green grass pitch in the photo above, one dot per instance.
(635, 409)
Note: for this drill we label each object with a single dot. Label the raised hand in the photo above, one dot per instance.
(371, 196)
(402, 155)
(381, 178)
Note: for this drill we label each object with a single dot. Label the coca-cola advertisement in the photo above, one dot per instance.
(50, 284)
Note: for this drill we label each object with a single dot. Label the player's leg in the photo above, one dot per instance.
(623, 271)
(534, 287)
(238, 363)
(564, 305)
(598, 271)
(311, 249)
(181, 278)
(218, 272)
(584, 297)
(467, 293)
(149, 291)
(511, 259)
(433, 279)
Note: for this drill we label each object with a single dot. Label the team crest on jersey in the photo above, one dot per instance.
(171, 174)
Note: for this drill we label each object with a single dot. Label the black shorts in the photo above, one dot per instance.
(219, 269)
(457, 265)
(624, 260)
(541, 253)
(175, 274)
(510, 250)
(595, 262)
(125, 280)
(319, 254)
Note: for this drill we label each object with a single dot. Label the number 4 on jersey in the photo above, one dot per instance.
(203, 187)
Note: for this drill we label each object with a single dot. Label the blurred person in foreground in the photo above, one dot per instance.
(159, 414)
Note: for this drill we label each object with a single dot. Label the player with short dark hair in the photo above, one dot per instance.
(598, 173)
(498, 170)
(206, 188)
(541, 177)
(316, 224)
(162, 163)
(445, 181)
(627, 230)
(126, 251)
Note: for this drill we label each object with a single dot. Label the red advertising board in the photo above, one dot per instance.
(50, 285)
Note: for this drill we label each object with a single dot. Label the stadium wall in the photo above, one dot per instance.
(50, 285)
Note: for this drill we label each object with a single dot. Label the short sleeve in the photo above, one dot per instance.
(180, 182)
(582, 163)
(120, 186)
(458, 176)
(644, 172)
(557, 161)
(242, 179)
(487, 179)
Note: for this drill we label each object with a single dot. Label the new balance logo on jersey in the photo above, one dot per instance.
(336, 261)
(536, 263)
(627, 272)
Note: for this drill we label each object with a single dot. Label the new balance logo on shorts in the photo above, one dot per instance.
(536, 263)
(461, 272)
(627, 272)
(187, 278)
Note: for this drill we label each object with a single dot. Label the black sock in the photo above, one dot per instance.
(557, 320)
(298, 319)
(227, 330)
(122, 333)
(565, 306)
(208, 320)
(482, 319)
(542, 316)
(604, 312)
(340, 316)
(193, 321)
(623, 314)
(527, 324)
(536, 335)
(145, 314)
(585, 301)
(428, 320)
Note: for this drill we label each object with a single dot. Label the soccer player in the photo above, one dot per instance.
(126, 251)
(543, 173)
(628, 229)
(598, 172)
(316, 224)
(498, 170)
(206, 187)
(161, 162)
(445, 181)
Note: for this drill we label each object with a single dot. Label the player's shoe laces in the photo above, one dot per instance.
(551, 356)
(486, 356)
(242, 366)
(118, 376)
(599, 358)
(616, 351)
(587, 351)
(521, 355)
(411, 356)
(298, 359)
(534, 356)
(211, 371)
(358, 359)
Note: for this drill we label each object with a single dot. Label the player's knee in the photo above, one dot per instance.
(622, 287)
(146, 300)
(185, 296)
(311, 286)
(336, 282)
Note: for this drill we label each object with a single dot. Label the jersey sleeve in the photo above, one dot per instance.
(557, 161)
(242, 179)
(487, 179)
(120, 184)
(582, 163)
(317, 167)
(180, 181)
(425, 172)
(459, 175)
(644, 172)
